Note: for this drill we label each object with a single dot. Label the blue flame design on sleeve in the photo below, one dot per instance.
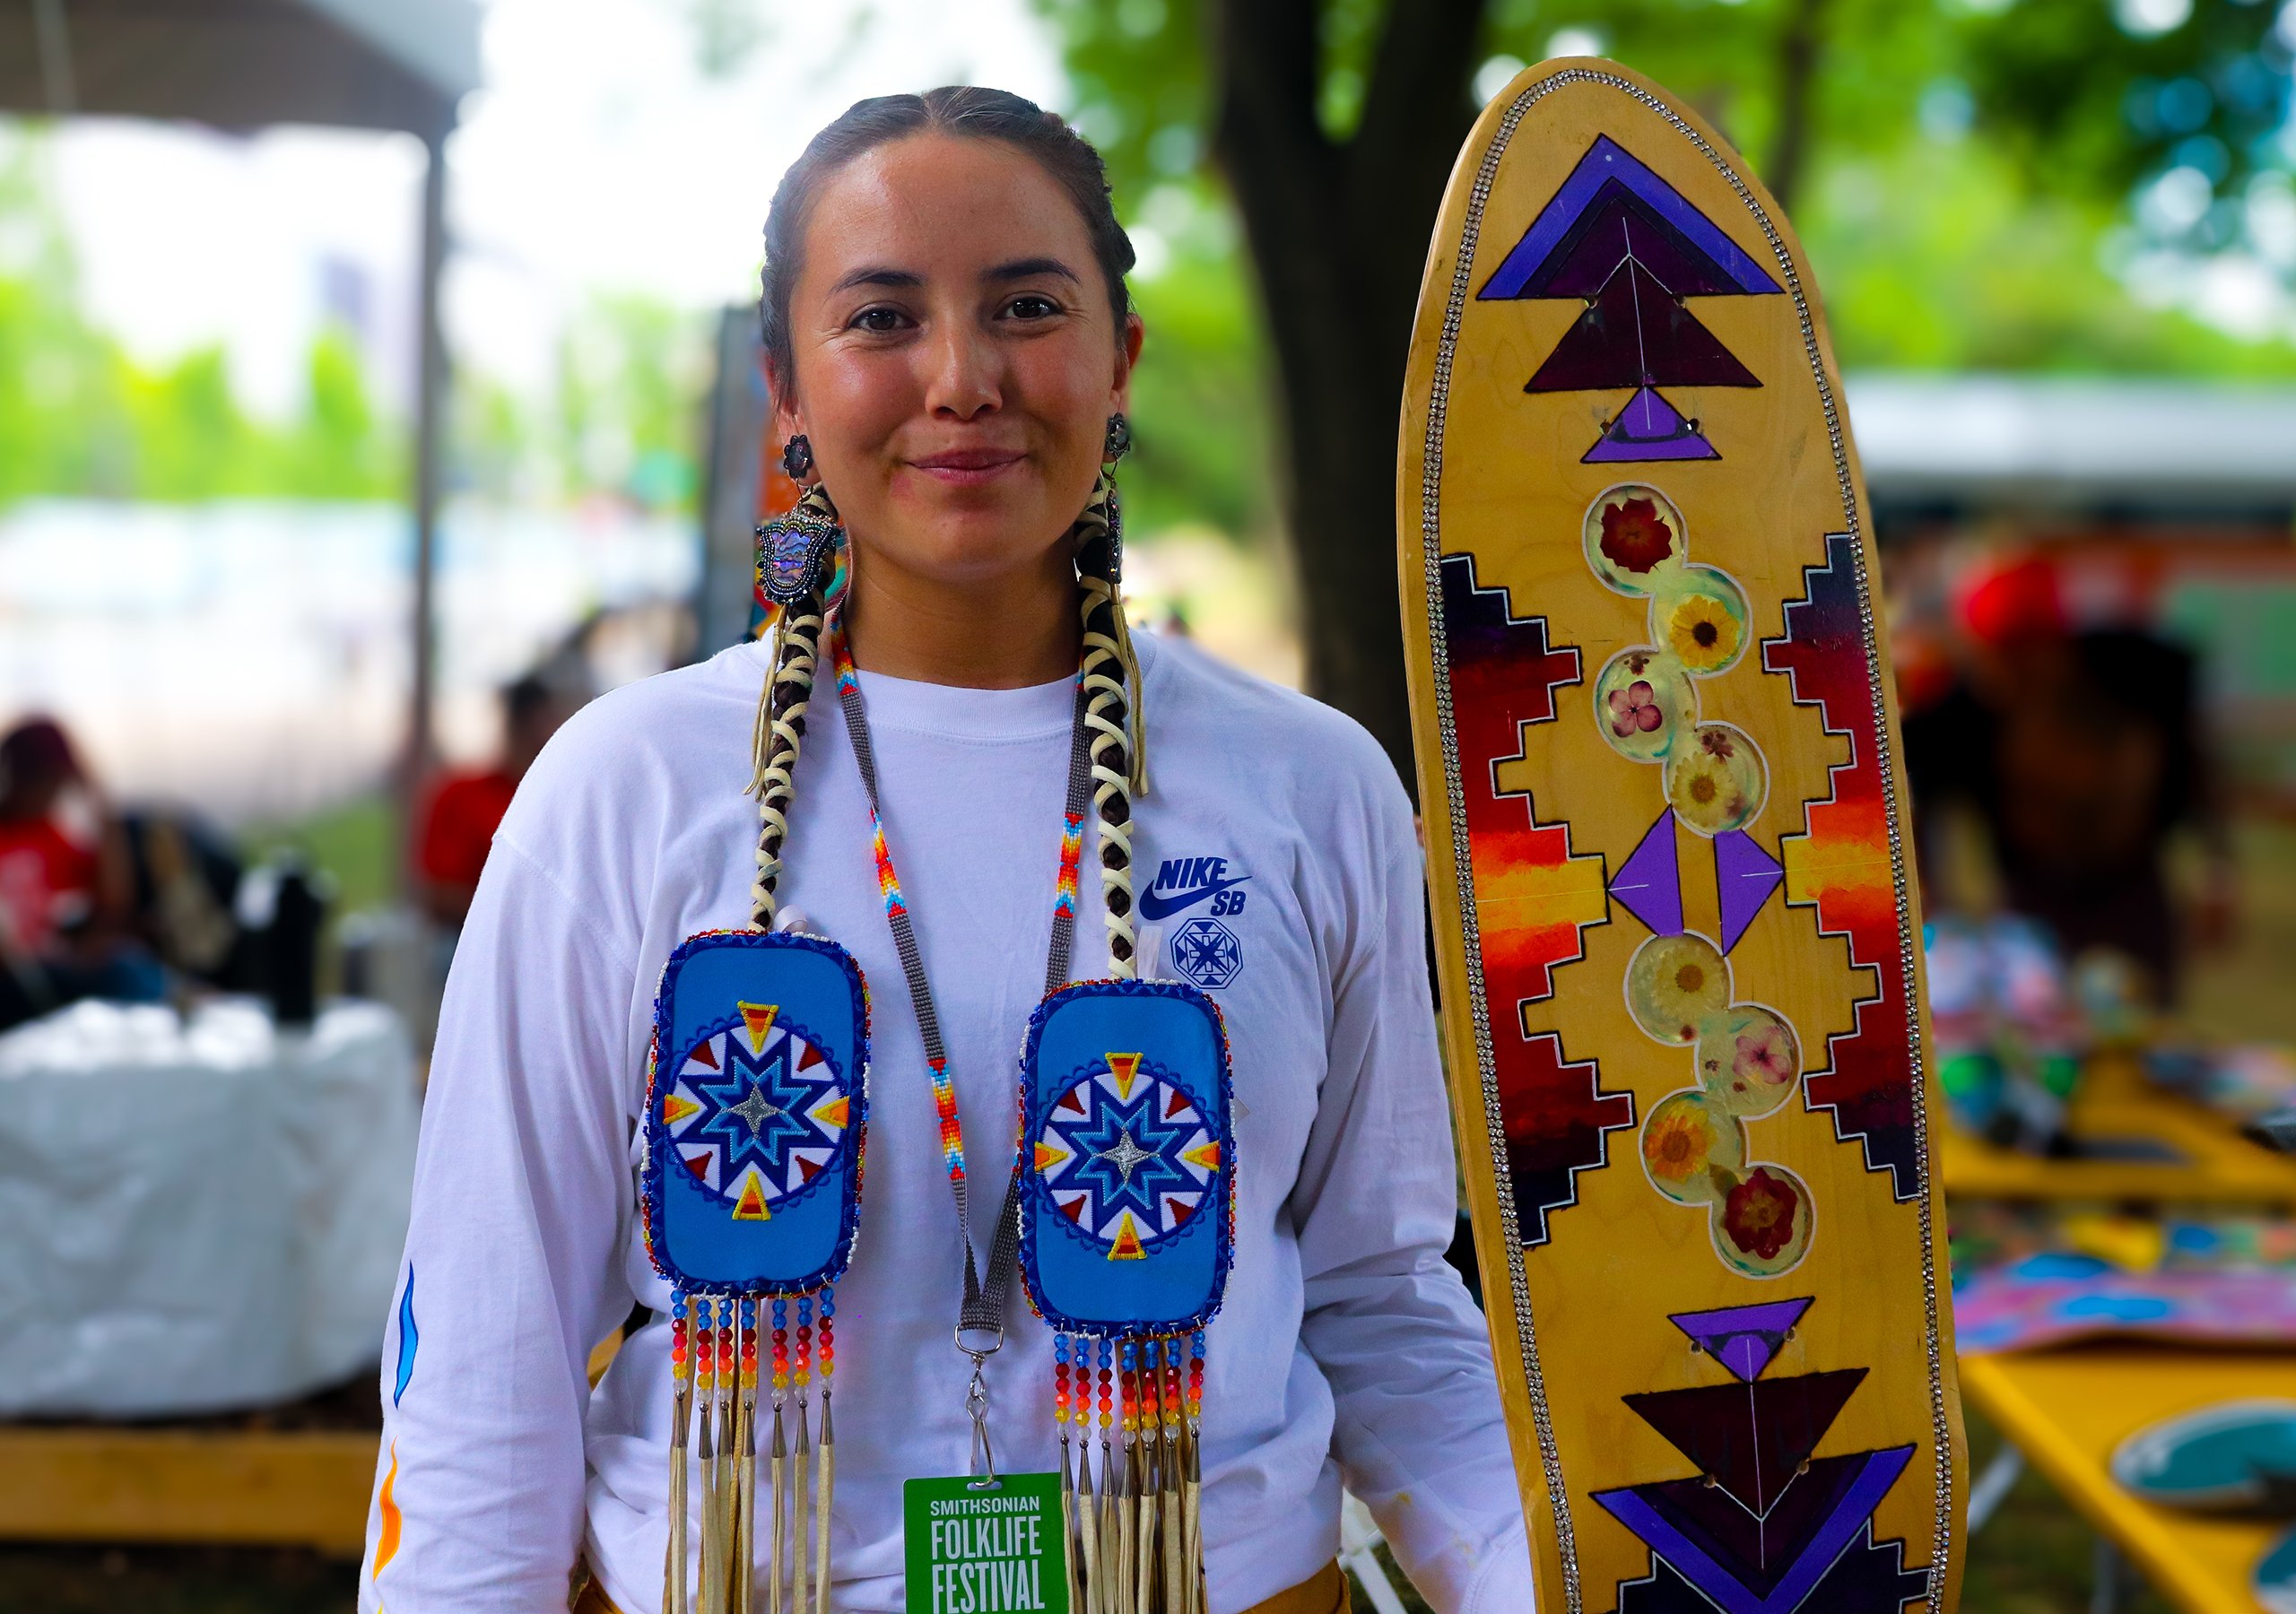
(408, 1337)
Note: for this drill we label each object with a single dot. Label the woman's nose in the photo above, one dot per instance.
(964, 375)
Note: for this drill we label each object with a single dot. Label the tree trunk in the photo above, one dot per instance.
(1797, 65)
(1339, 234)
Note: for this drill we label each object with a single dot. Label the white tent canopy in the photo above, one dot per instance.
(242, 64)
(2079, 443)
(397, 64)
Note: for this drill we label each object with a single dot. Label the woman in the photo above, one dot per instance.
(951, 345)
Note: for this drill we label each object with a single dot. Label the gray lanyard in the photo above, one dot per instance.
(981, 1319)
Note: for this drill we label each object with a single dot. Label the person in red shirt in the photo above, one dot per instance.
(2081, 749)
(64, 890)
(466, 806)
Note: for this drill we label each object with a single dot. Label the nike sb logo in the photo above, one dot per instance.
(1182, 882)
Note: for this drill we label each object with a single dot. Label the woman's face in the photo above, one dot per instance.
(956, 358)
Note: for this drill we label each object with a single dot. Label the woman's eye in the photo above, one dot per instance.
(1031, 306)
(877, 319)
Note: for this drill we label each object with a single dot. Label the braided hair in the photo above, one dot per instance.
(780, 730)
(1111, 678)
(1111, 673)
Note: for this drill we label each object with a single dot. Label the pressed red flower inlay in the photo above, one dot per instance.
(1759, 1214)
(1635, 536)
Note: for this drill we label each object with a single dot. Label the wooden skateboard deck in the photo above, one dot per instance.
(1675, 902)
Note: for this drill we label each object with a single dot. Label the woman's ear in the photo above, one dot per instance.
(1128, 355)
(785, 423)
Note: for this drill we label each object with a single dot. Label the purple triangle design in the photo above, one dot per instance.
(1744, 876)
(1648, 429)
(1819, 1549)
(1650, 884)
(1745, 1339)
(1605, 162)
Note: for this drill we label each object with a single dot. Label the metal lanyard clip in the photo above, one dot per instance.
(983, 1455)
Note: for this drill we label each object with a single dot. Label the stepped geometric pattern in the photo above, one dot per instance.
(1749, 1027)
(1841, 866)
(1531, 897)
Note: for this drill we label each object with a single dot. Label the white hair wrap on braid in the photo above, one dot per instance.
(1111, 673)
(780, 732)
(1111, 678)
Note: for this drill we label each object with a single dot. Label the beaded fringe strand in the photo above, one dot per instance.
(715, 1371)
(1135, 1541)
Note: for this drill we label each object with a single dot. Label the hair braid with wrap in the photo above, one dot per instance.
(780, 730)
(1112, 709)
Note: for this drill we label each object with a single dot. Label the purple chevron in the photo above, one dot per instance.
(1826, 1542)
(1605, 161)
(1648, 429)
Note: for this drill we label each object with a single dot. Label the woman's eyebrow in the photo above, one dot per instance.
(1027, 269)
(877, 274)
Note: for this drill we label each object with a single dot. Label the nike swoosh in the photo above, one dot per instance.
(1154, 906)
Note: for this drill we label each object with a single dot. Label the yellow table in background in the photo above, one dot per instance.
(211, 1485)
(2066, 1409)
(2213, 1166)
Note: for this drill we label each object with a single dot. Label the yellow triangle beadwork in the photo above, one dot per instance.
(757, 1019)
(1125, 1068)
(751, 1206)
(676, 1109)
(1126, 1246)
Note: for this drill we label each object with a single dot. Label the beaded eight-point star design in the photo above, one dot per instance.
(757, 1112)
(1126, 1156)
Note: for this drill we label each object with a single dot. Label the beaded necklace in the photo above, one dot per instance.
(981, 1318)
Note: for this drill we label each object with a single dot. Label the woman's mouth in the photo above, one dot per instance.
(969, 467)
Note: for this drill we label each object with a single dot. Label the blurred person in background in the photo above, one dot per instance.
(65, 883)
(467, 806)
(2081, 752)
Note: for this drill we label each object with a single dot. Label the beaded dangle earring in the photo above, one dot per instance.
(756, 1110)
(1127, 1157)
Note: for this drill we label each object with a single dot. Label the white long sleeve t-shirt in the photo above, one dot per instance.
(1277, 868)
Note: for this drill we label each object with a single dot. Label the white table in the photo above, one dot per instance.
(202, 1213)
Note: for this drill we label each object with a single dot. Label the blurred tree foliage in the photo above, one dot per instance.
(80, 416)
(1204, 446)
(626, 416)
(2061, 185)
(619, 418)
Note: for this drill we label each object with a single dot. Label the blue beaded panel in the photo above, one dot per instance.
(1127, 1216)
(756, 1107)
